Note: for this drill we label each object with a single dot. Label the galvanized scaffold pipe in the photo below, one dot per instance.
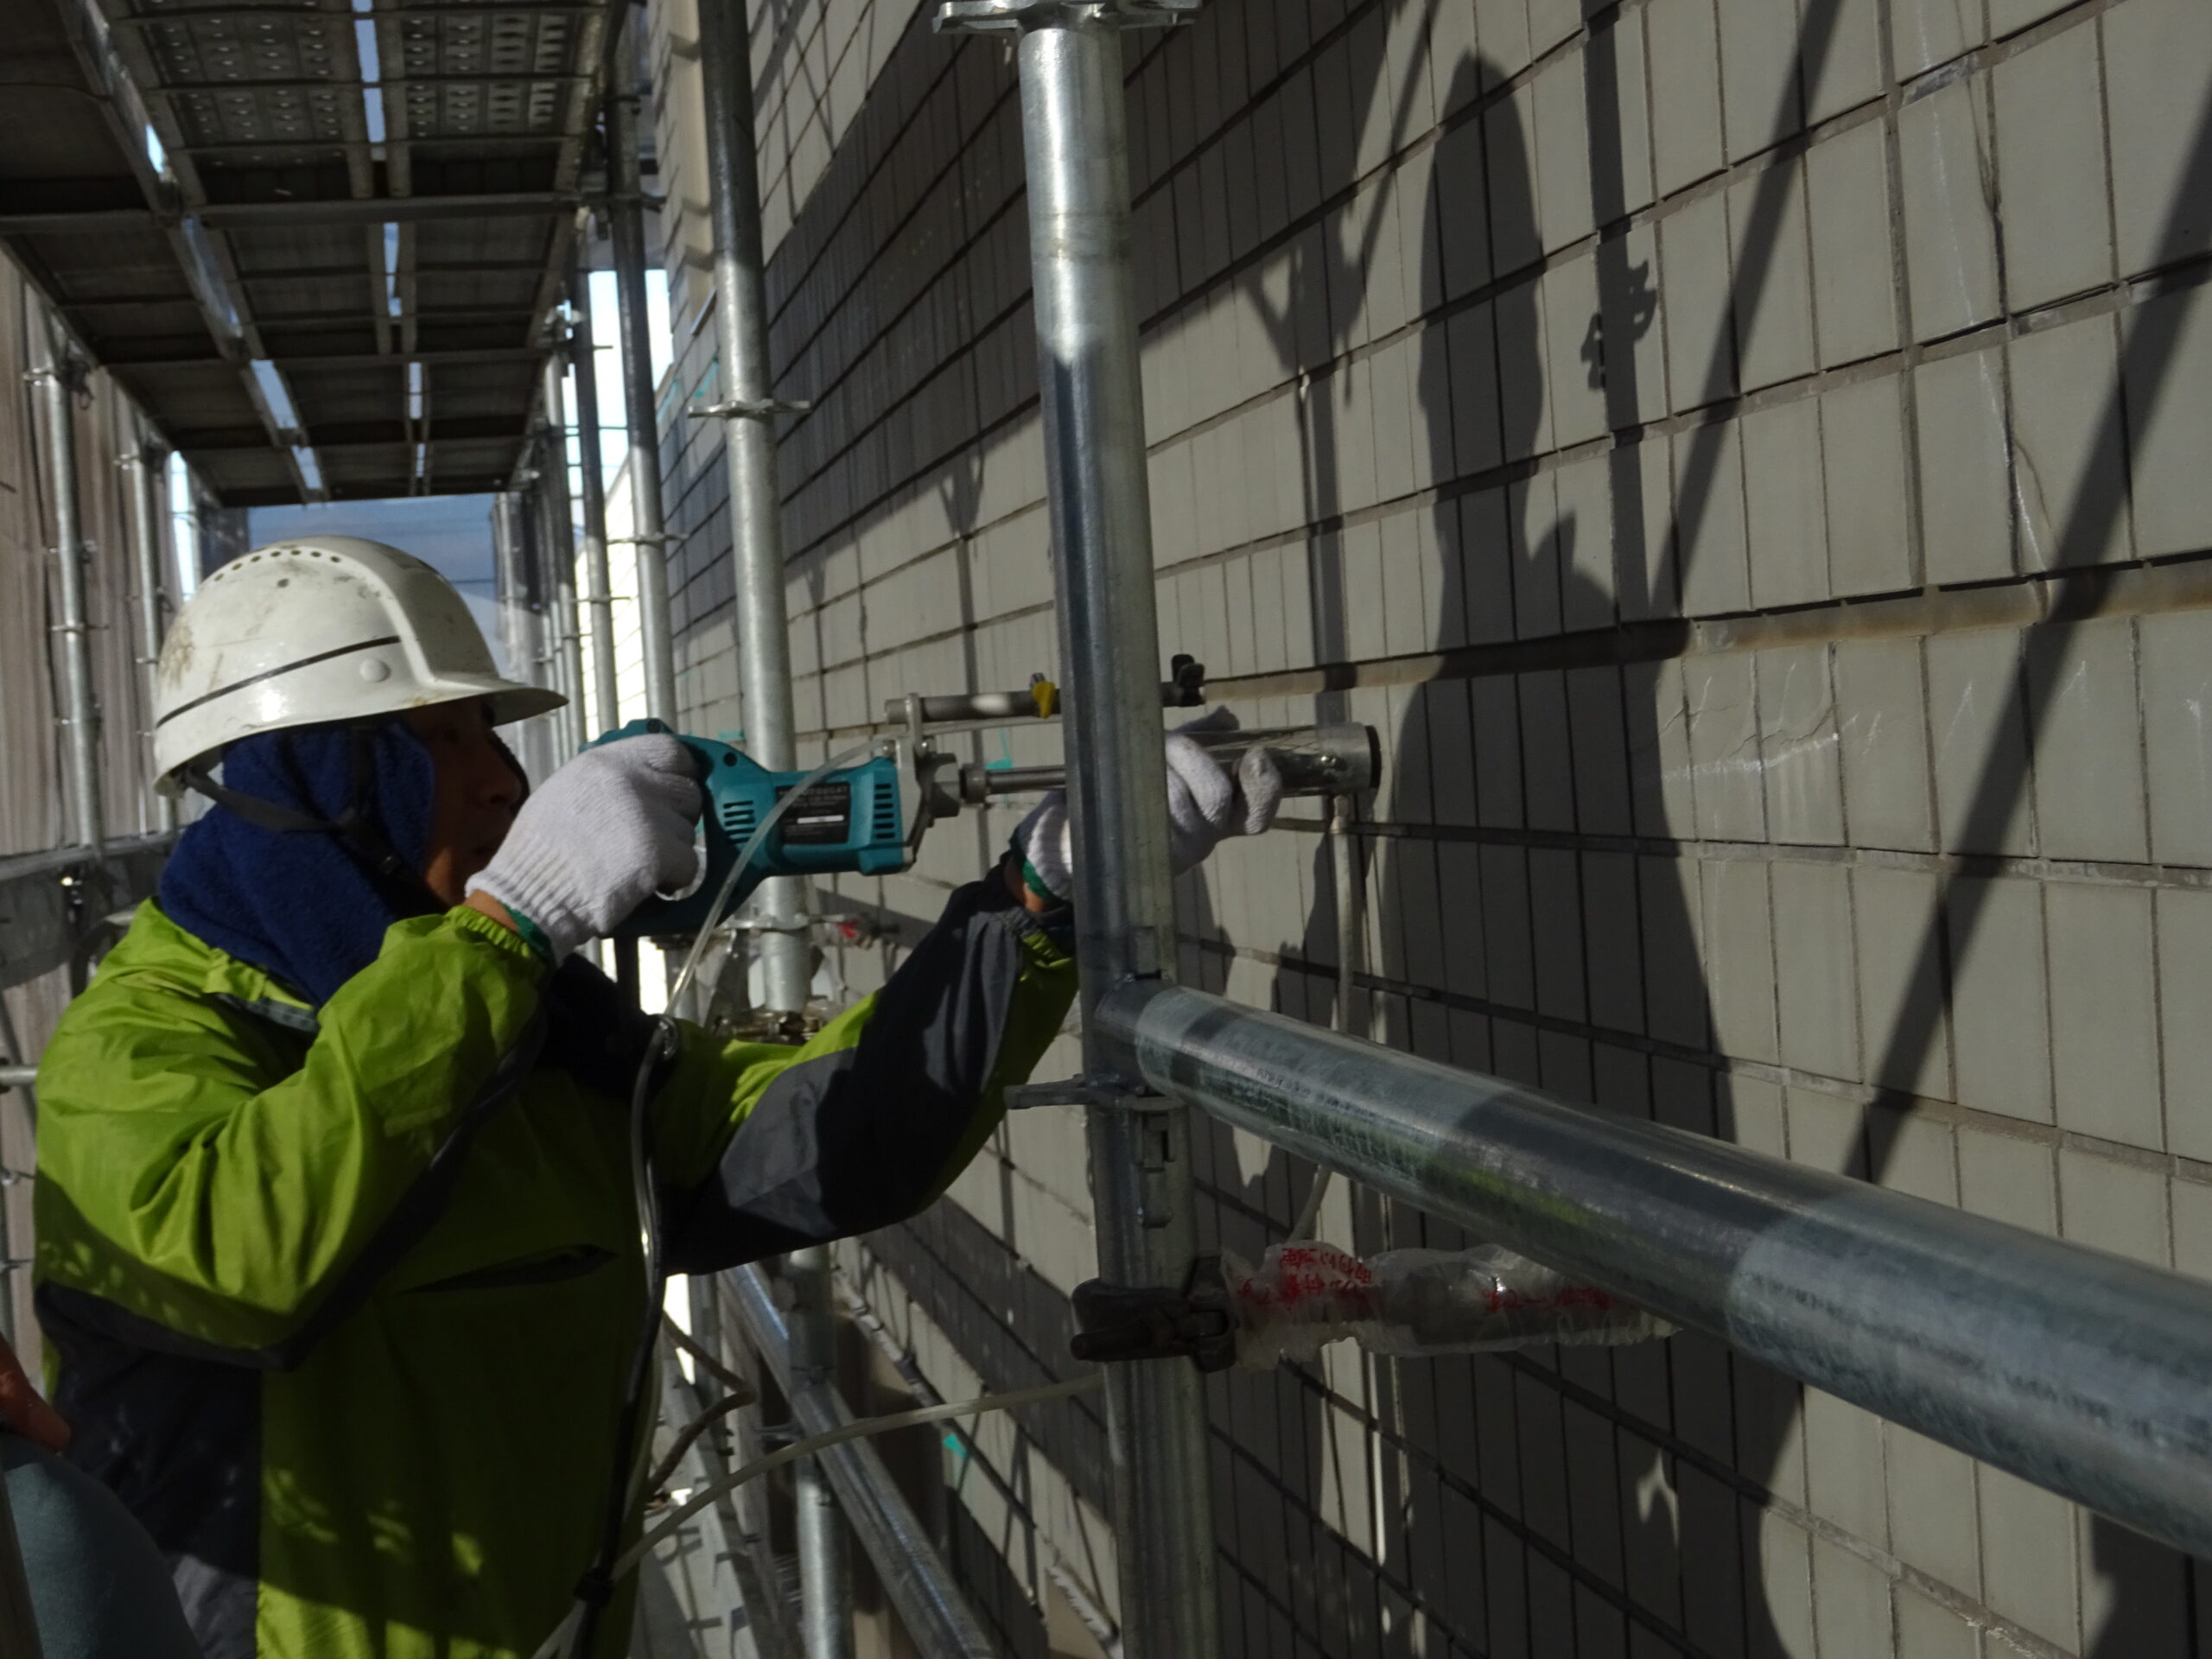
(2082, 1372)
(746, 403)
(916, 1578)
(1075, 144)
(606, 708)
(518, 635)
(648, 531)
(144, 477)
(58, 374)
(558, 542)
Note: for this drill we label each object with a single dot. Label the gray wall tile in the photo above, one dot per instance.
(1966, 487)
(2155, 53)
(2089, 793)
(1950, 231)
(1999, 997)
(2067, 450)
(2052, 166)
(1853, 269)
(2103, 1011)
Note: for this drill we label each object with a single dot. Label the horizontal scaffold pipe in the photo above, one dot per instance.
(2085, 1373)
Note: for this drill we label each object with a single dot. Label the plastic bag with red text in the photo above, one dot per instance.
(1304, 1295)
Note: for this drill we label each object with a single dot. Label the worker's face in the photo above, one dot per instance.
(478, 792)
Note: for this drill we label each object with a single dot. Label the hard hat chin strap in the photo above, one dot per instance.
(356, 827)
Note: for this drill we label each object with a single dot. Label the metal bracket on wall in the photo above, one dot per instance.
(1012, 16)
(1107, 1094)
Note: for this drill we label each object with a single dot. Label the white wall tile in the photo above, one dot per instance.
(1854, 286)
(1711, 543)
(2114, 1206)
(2103, 1011)
(1585, 493)
(1950, 233)
(1737, 930)
(2176, 670)
(2167, 359)
(2184, 923)
(1774, 314)
(1849, 72)
(1726, 770)
(1575, 369)
(1799, 746)
(1883, 732)
(1462, 209)
(2067, 456)
(1999, 997)
(1785, 504)
(1696, 283)
(2028, 1554)
(1758, 74)
(1926, 33)
(2090, 796)
(1815, 978)
(1634, 333)
(1966, 493)
(2155, 53)
(1975, 711)
(1862, 445)
(2051, 169)
(1685, 92)
(1905, 1038)
(1562, 148)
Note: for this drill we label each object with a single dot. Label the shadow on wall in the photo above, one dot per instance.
(1577, 1502)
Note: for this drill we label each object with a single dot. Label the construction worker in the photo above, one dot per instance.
(337, 1246)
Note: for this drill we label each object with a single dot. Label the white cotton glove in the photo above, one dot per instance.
(1205, 806)
(608, 830)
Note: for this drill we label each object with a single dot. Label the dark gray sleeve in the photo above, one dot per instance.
(844, 1143)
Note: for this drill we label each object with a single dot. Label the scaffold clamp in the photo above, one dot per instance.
(1012, 16)
(1197, 1322)
(748, 409)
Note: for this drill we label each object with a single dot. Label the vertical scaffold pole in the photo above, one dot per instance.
(748, 407)
(605, 712)
(625, 217)
(146, 479)
(60, 374)
(565, 641)
(1075, 145)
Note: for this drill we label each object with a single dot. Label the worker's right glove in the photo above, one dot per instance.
(609, 829)
(1205, 806)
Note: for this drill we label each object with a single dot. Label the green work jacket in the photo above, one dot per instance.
(341, 1299)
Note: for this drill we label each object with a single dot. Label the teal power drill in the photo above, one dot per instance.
(848, 823)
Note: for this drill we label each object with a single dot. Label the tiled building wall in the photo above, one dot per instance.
(1746, 457)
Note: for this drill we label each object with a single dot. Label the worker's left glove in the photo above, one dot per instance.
(607, 831)
(1205, 806)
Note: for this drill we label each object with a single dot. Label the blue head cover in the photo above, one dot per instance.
(298, 903)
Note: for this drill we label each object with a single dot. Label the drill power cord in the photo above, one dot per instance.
(627, 1486)
(662, 1530)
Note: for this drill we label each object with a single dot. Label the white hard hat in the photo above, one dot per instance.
(318, 629)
